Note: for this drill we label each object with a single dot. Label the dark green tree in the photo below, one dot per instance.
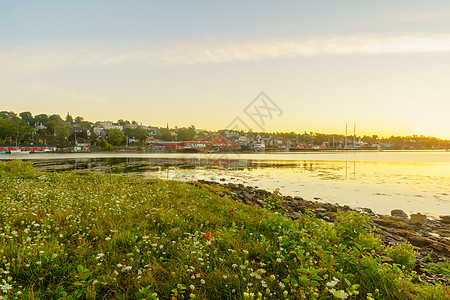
(62, 131)
(115, 136)
(79, 119)
(42, 118)
(27, 117)
(69, 118)
(141, 134)
(164, 134)
(186, 134)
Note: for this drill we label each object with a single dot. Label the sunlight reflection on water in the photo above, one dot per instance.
(412, 181)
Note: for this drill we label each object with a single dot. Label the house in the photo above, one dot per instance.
(31, 148)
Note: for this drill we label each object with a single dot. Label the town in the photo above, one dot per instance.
(25, 133)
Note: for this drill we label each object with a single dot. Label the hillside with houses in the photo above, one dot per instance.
(49, 133)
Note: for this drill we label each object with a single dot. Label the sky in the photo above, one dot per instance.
(384, 65)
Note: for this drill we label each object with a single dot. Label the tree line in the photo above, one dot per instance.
(53, 129)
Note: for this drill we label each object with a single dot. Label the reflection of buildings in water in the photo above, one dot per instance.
(322, 170)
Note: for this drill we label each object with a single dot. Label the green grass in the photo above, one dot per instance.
(85, 236)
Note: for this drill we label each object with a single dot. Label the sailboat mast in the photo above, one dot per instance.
(354, 134)
(345, 146)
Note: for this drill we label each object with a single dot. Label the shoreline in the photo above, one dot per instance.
(430, 238)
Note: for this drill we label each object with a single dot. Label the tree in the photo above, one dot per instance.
(69, 118)
(62, 131)
(129, 132)
(84, 125)
(164, 134)
(27, 117)
(55, 117)
(51, 124)
(13, 127)
(79, 119)
(186, 134)
(115, 136)
(122, 122)
(141, 134)
(42, 118)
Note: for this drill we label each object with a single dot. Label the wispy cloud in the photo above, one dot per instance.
(23, 61)
(410, 16)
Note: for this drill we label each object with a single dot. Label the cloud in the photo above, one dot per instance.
(25, 61)
(411, 16)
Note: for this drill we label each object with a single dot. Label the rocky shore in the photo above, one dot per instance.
(430, 238)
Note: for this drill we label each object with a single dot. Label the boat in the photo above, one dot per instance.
(198, 148)
(20, 151)
(259, 147)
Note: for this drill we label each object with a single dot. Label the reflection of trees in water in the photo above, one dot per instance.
(323, 170)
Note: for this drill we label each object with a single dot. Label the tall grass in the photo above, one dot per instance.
(84, 236)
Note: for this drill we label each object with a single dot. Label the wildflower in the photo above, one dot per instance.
(333, 282)
(341, 294)
(234, 265)
(208, 235)
(192, 287)
(5, 287)
(278, 260)
(225, 276)
(202, 281)
(119, 265)
(107, 238)
(39, 262)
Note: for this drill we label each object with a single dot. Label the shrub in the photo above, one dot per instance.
(275, 200)
(402, 254)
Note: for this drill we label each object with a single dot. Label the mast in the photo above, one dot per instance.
(345, 145)
(354, 134)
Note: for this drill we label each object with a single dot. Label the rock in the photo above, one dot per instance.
(418, 219)
(298, 198)
(398, 213)
(445, 219)
(418, 241)
(367, 211)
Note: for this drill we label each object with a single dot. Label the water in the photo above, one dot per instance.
(415, 181)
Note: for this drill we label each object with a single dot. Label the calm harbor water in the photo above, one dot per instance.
(415, 181)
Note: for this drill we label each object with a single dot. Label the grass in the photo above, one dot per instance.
(80, 235)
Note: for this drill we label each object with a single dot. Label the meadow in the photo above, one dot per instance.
(80, 235)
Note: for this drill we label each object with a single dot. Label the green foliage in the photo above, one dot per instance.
(275, 200)
(17, 167)
(83, 236)
(106, 146)
(186, 134)
(443, 268)
(115, 136)
(164, 134)
(402, 254)
(141, 134)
